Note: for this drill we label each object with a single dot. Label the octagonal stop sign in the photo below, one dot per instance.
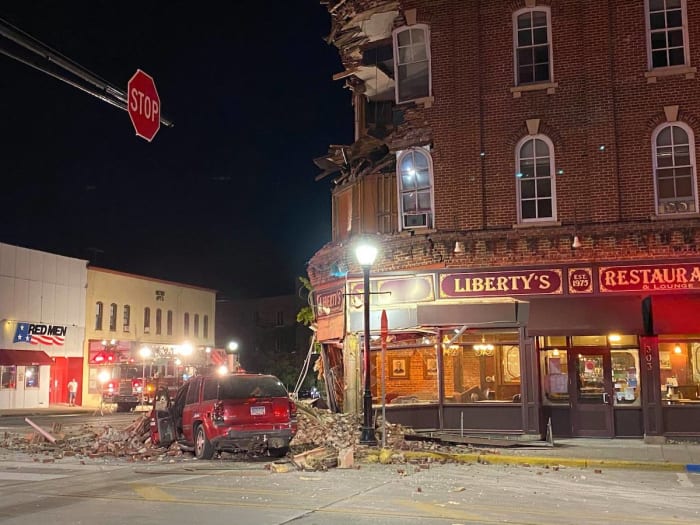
(143, 104)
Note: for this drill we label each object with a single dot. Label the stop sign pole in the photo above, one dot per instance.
(143, 105)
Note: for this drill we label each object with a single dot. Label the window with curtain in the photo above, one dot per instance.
(535, 179)
(674, 169)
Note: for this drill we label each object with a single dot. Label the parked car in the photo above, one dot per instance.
(246, 413)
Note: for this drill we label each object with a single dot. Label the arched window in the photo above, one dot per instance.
(147, 320)
(535, 179)
(674, 169)
(127, 317)
(187, 324)
(113, 317)
(196, 325)
(159, 319)
(415, 175)
(412, 62)
(205, 327)
(99, 311)
(533, 46)
(169, 322)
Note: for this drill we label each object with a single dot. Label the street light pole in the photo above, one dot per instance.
(366, 255)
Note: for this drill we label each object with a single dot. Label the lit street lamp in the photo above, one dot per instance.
(232, 350)
(366, 254)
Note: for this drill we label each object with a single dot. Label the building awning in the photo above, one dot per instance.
(472, 314)
(24, 357)
(586, 316)
(673, 314)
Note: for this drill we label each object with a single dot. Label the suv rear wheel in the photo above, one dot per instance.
(203, 449)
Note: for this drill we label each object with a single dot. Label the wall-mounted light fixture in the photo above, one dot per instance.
(576, 243)
(459, 247)
(483, 348)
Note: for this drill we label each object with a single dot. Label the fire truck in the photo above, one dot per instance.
(127, 388)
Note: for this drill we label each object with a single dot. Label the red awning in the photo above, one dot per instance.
(24, 357)
(675, 314)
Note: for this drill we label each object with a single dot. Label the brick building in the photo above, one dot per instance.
(527, 169)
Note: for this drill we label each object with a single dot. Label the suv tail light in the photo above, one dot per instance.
(218, 414)
(280, 411)
(292, 409)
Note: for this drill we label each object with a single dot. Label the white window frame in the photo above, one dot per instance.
(693, 167)
(684, 29)
(552, 177)
(517, 14)
(395, 39)
(399, 186)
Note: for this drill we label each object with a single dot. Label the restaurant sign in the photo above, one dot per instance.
(485, 284)
(329, 302)
(649, 277)
(396, 290)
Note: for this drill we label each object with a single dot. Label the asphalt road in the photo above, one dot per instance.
(74, 490)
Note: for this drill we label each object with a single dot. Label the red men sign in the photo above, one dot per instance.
(143, 104)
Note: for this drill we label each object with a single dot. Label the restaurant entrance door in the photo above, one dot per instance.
(591, 392)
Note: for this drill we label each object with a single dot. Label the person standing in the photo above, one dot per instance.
(72, 391)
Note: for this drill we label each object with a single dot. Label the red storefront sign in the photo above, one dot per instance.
(329, 302)
(399, 290)
(485, 284)
(656, 277)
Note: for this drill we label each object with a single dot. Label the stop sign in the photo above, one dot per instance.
(143, 104)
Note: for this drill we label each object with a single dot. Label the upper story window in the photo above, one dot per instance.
(147, 320)
(196, 325)
(535, 176)
(412, 62)
(127, 317)
(99, 312)
(415, 177)
(159, 320)
(187, 323)
(668, 34)
(205, 327)
(674, 169)
(169, 322)
(533, 49)
(113, 317)
(279, 321)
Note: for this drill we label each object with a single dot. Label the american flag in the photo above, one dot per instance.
(22, 335)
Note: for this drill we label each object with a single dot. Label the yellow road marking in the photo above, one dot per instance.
(151, 493)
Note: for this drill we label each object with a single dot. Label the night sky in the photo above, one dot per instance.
(226, 199)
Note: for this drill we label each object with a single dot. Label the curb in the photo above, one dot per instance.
(532, 461)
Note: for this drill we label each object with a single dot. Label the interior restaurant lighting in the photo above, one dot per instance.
(366, 254)
(677, 349)
(483, 348)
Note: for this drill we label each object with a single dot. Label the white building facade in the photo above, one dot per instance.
(42, 321)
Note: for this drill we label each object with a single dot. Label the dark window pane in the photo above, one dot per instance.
(403, 38)
(541, 54)
(409, 202)
(673, 4)
(524, 38)
(656, 5)
(664, 137)
(544, 208)
(528, 210)
(664, 157)
(526, 75)
(540, 36)
(541, 148)
(524, 57)
(422, 179)
(681, 156)
(657, 21)
(684, 187)
(541, 72)
(674, 18)
(524, 21)
(675, 38)
(418, 36)
(658, 40)
(539, 18)
(679, 135)
(424, 201)
(666, 189)
(526, 149)
(658, 59)
(527, 189)
(544, 188)
(675, 57)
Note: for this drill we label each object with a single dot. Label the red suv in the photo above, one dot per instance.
(250, 413)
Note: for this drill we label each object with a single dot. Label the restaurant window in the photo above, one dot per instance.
(99, 311)
(625, 370)
(8, 377)
(113, 317)
(205, 327)
(196, 325)
(159, 320)
(147, 320)
(31, 377)
(186, 324)
(127, 317)
(555, 375)
(679, 364)
(410, 372)
(169, 322)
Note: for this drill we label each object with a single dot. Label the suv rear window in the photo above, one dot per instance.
(237, 387)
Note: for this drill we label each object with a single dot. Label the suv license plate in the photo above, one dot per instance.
(257, 411)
